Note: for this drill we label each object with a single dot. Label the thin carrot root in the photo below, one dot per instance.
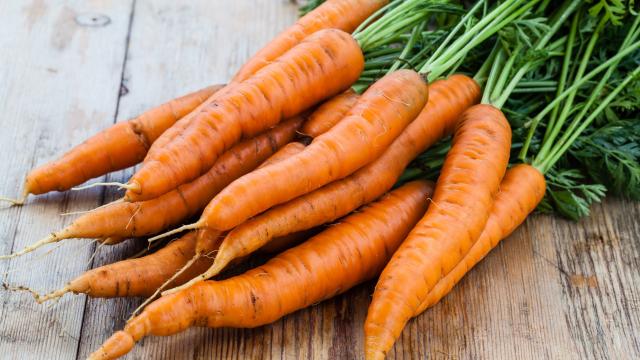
(52, 295)
(48, 240)
(133, 187)
(19, 201)
(33, 293)
(175, 231)
(164, 285)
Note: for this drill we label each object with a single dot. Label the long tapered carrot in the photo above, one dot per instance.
(337, 259)
(324, 64)
(345, 15)
(124, 220)
(118, 147)
(462, 201)
(328, 114)
(380, 115)
(521, 190)
(447, 101)
(140, 276)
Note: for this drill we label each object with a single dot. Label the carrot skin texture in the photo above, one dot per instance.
(152, 216)
(378, 118)
(345, 15)
(447, 101)
(324, 64)
(329, 114)
(337, 259)
(285, 152)
(463, 199)
(118, 147)
(521, 190)
(142, 276)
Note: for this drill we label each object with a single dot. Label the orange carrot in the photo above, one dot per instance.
(123, 220)
(345, 15)
(118, 147)
(141, 276)
(285, 152)
(463, 199)
(447, 101)
(521, 190)
(322, 65)
(282, 243)
(380, 115)
(337, 259)
(328, 114)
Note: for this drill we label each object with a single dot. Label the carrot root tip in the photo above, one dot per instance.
(175, 231)
(89, 186)
(52, 295)
(14, 201)
(48, 240)
(33, 293)
(158, 291)
(188, 284)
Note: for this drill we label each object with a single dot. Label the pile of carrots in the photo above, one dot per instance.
(299, 139)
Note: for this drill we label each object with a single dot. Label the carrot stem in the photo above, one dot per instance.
(562, 147)
(576, 85)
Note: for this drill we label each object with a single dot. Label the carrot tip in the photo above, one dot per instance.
(14, 201)
(52, 295)
(175, 231)
(119, 185)
(33, 293)
(157, 292)
(48, 240)
(187, 285)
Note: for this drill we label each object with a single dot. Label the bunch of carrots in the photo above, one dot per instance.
(344, 119)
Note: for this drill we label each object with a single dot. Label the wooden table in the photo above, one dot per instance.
(555, 289)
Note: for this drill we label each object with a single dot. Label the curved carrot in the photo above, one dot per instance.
(141, 276)
(345, 15)
(447, 101)
(324, 64)
(328, 114)
(124, 220)
(463, 199)
(521, 190)
(380, 115)
(337, 259)
(118, 147)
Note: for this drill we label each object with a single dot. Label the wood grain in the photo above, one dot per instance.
(555, 289)
(58, 85)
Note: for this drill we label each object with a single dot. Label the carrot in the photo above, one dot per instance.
(337, 259)
(447, 101)
(141, 276)
(285, 152)
(345, 15)
(124, 220)
(463, 199)
(380, 115)
(285, 242)
(118, 147)
(322, 65)
(328, 114)
(521, 190)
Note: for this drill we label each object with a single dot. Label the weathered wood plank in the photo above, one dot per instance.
(59, 69)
